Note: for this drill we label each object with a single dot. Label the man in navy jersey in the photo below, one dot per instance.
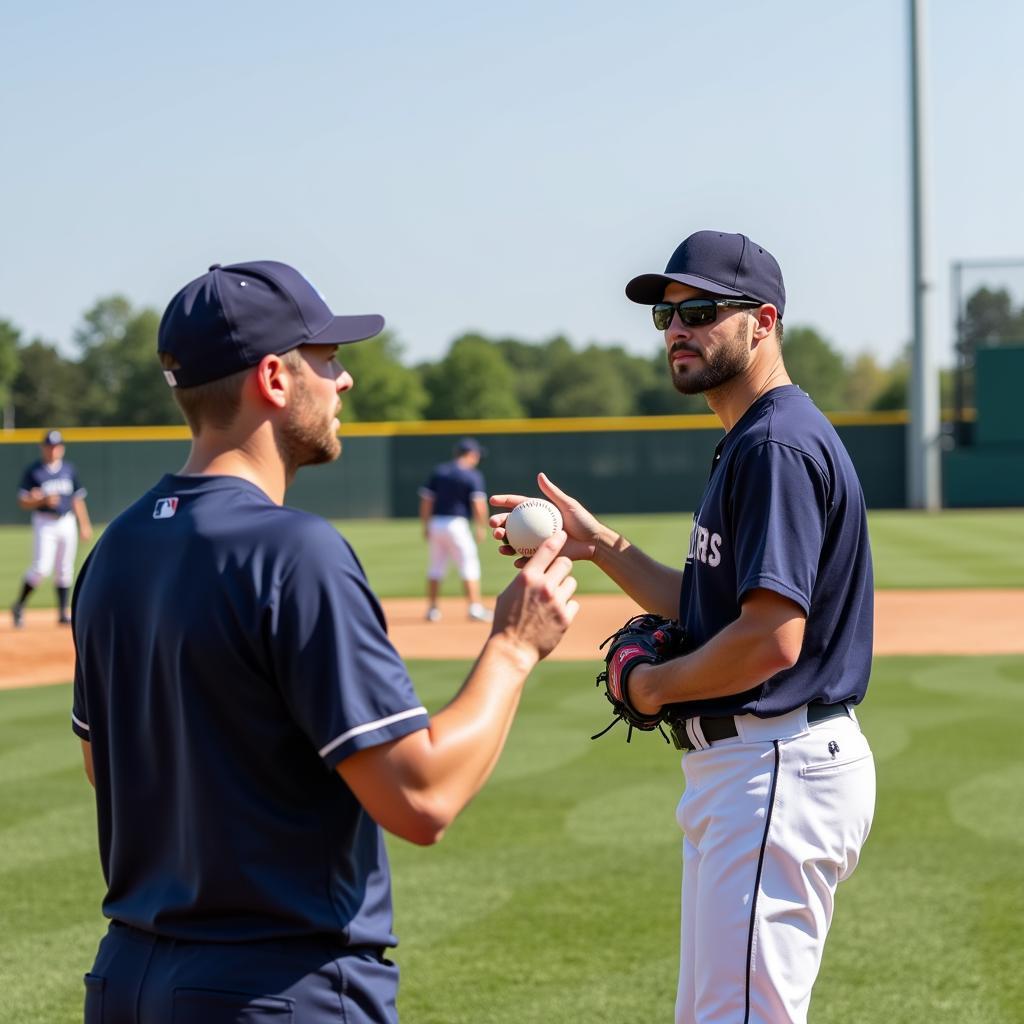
(51, 491)
(247, 725)
(453, 502)
(776, 597)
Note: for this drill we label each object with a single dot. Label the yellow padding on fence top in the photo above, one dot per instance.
(581, 424)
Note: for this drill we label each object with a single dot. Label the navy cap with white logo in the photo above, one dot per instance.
(53, 438)
(231, 317)
(719, 263)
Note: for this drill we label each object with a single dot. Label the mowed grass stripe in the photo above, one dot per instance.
(555, 897)
(983, 548)
(948, 549)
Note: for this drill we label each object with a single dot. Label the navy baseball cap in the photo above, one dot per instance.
(231, 317)
(53, 437)
(720, 263)
(469, 444)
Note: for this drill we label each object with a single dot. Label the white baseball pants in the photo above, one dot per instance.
(54, 543)
(449, 539)
(773, 820)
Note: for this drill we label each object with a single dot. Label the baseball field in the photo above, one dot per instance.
(555, 897)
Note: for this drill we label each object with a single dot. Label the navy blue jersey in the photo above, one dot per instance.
(453, 488)
(230, 654)
(783, 510)
(60, 479)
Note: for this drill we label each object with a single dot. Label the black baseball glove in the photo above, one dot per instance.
(643, 640)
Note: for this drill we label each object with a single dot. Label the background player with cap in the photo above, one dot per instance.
(776, 599)
(51, 491)
(452, 499)
(246, 723)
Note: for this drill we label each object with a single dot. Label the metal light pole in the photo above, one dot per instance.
(923, 434)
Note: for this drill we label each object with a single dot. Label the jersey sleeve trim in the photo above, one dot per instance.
(380, 723)
(425, 492)
(80, 728)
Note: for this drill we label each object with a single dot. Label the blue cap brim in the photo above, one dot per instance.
(647, 289)
(345, 329)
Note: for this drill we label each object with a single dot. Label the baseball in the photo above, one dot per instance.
(531, 522)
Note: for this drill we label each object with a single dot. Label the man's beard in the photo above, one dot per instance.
(730, 358)
(308, 437)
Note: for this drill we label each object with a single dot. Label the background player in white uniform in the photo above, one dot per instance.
(776, 598)
(51, 491)
(453, 502)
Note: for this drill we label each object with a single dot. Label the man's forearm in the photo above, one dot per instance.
(751, 649)
(468, 735)
(416, 786)
(654, 586)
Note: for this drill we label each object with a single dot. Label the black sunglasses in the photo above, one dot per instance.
(695, 312)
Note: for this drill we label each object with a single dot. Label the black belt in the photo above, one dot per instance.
(725, 728)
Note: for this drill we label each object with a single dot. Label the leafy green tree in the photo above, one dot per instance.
(143, 396)
(947, 389)
(46, 390)
(384, 389)
(473, 381)
(865, 380)
(816, 366)
(990, 318)
(530, 365)
(97, 337)
(121, 379)
(9, 338)
(588, 383)
(896, 391)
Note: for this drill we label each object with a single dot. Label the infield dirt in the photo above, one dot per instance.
(906, 622)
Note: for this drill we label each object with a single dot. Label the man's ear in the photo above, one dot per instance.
(273, 380)
(766, 317)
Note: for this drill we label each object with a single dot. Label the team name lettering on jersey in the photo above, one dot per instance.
(58, 485)
(165, 508)
(705, 546)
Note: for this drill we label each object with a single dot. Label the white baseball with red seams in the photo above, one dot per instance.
(530, 523)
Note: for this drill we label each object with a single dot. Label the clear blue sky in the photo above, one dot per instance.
(505, 168)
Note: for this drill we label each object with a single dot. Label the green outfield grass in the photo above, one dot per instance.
(983, 548)
(554, 897)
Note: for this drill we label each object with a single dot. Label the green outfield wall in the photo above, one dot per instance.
(990, 470)
(627, 465)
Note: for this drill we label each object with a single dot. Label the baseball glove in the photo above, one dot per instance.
(643, 640)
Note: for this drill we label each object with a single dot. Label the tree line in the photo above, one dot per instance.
(113, 378)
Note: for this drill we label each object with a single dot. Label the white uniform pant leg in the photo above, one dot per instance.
(45, 539)
(67, 547)
(771, 829)
(450, 539)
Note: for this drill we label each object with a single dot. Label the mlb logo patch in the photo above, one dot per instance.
(165, 508)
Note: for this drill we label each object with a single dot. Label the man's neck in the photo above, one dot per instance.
(730, 401)
(254, 458)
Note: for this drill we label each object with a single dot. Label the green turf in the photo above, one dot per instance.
(982, 548)
(554, 897)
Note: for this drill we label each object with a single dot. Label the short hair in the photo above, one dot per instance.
(216, 403)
